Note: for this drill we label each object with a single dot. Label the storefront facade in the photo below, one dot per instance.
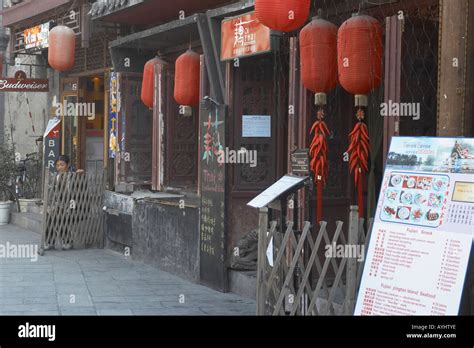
(169, 203)
(268, 84)
(82, 135)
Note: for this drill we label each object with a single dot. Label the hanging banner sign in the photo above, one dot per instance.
(52, 144)
(244, 36)
(423, 229)
(36, 37)
(113, 142)
(21, 84)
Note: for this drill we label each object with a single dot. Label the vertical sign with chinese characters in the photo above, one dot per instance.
(213, 271)
(244, 36)
(423, 229)
(113, 142)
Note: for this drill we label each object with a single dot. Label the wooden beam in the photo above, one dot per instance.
(212, 56)
(393, 53)
(454, 110)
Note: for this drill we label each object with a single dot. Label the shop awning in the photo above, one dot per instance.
(160, 37)
(148, 12)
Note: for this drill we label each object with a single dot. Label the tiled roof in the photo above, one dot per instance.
(101, 7)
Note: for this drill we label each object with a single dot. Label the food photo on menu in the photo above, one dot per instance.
(416, 199)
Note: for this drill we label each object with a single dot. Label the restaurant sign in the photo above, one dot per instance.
(21, 84)
(423, 229)
(244, 36)
(37, 36)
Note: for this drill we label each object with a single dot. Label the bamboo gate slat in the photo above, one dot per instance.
(73, 215)
(302, 281)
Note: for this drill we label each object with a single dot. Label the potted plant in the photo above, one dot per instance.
(8, 170)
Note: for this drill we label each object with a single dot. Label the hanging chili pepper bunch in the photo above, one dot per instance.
(208, 152)
(359, 148)
(319, 163)
(319, 149)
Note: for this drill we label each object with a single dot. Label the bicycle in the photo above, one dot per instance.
(27, 183)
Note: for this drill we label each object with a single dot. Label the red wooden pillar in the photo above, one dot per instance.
(392, 77)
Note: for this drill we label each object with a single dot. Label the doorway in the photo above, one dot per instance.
(83, 121)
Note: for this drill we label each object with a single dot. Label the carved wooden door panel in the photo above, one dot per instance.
(254, 92)
(181, 134)
(136, 123)
(254, 95)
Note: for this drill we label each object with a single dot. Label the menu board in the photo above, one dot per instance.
(423, 229)
(213, 271)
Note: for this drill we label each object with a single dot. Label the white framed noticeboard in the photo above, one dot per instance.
(423, 229)
(256, 126)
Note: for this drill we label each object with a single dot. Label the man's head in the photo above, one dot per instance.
(62, 164)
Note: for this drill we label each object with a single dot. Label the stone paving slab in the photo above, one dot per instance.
(100, 282)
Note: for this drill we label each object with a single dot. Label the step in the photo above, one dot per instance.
(34, 208)
(27, 221)
(243, 283)
(29, 206)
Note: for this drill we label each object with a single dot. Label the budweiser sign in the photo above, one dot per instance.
(21, 84)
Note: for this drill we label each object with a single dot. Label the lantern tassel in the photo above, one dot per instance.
(319, 163)
(319, 203)
(358, 151)
(360, 195)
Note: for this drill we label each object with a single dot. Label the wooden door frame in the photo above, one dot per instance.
(80, 121)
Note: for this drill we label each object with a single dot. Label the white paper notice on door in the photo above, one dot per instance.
(256, 126)
(423, 229)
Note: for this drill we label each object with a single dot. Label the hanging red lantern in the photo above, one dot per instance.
(62, 46)
(360, 54)
(360, 72)
(148, 81)
(187, 79)
(318, 51)
(282, 15)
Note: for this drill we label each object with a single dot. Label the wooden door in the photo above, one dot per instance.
(135, 133)
(73, 126)
(254, 92)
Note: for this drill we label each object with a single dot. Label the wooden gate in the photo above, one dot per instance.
(302, 281)
(73, 215)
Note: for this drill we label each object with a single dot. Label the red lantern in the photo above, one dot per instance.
(360, 53)
(148, 82)
(282, 15)
(187, 79)
(62, 46)
(318, 51)
(360, 71)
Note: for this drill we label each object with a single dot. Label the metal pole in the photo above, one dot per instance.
(4, 39)
(261, 262)
(45, 212)
(351, 269)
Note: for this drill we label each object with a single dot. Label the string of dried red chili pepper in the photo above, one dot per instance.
(319, 162)
(358, 150)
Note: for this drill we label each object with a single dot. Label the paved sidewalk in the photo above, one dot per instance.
(100, 282)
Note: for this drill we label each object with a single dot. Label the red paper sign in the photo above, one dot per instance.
(244, 36)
